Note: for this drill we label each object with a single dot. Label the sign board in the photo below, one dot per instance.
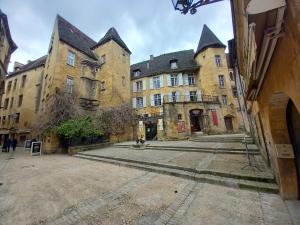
(36, 148)
(181, 127)
(284, 151)
(160, 124)
(27, 144)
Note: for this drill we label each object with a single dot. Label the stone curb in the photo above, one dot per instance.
(212, 179)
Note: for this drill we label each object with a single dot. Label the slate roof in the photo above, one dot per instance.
(29, 66)
(161, 64)
(208, 39)
(75, 37)
(112, 34)
(7, 31)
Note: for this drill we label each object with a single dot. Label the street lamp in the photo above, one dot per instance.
(184, 6)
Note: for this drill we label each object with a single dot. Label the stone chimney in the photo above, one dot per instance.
(18, 66)
(151, 57)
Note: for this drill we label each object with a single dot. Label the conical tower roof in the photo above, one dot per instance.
(208, 39)
(112, 34)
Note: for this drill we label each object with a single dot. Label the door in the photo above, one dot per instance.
(293, 123)
(151, 131)
(196, 120)
(228, 123)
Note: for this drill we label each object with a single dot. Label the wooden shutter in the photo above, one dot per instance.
(215, 117)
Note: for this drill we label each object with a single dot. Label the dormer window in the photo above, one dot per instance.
(136, 73)
(103, 59)
(173, 64)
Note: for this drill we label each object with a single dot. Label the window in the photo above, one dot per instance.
(221, 81)
(9, 86)
(23, 81)
(17, 118)
(174, 65)
(224, 99)
(103, 59)
(218, 60)
(6, 103)
(15, 84)
(70, 84)
(139, 86)
(139, 102)
(156, 82)
(174, 80)
(234, 92)
(11, 102)
(20, 100)
(193, 96)
(191, 79)
(3, 120)
(174, 96)
(71, 58)
(231, 76)
(179, 116)
(157, 99)
(136, 73)
(8, 119)
(102, 86)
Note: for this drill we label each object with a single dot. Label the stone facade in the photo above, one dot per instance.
(198, 101)
(7, 47)
(20, 100)
(272, 87)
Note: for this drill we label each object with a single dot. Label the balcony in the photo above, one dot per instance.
(191, 99)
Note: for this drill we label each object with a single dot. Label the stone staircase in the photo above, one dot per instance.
(217, 150)
(234, 138)
(257, 183)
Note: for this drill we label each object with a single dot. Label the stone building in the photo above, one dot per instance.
(99, 73)
(20, 104)
(7, 47)
(183, 93)
(266, 50)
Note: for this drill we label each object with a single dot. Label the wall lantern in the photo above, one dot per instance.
(185, 6)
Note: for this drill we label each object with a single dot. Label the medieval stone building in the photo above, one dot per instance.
(266, 54)
(99, 73)
(183, 93)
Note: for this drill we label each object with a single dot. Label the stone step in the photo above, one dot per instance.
(194, 149)
(236, 181)
(222, 140)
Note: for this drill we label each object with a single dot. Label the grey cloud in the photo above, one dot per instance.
(146, 26)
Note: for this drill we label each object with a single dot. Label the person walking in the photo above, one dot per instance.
(4, 146)
(14, 144)
(8, 144)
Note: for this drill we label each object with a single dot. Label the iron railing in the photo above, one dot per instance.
(191, 98)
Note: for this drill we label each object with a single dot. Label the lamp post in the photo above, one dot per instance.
(185, 6)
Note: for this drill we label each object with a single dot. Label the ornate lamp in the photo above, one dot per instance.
(185, 6)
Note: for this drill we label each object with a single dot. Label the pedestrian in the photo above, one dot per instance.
(14, 144)
(8, 144)
(4, 146)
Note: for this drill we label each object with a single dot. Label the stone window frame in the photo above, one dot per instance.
(71, 58)
(139, 102)
(218, 60)
(20, 100)
(157, 99)
(69, 84)
(221, 78)
(224, 99)
(139, 85)
(156, 82)
(191, 79)
(174, 80)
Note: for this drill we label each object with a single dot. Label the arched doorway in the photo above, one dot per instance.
(293, 123)
(196, 120)
(228, 122)
(281, 109)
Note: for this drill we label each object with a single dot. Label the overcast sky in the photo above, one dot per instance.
(146, 26)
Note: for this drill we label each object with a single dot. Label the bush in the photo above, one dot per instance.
(82, 127)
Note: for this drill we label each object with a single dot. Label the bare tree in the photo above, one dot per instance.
(60, 107)
(115, 120)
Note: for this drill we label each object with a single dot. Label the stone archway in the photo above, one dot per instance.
(287, 173)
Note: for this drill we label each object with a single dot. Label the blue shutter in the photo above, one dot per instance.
(180, 80)
(134, 103)
(185, 79)
(151, 83)
(152, 100)
(161, 80)
(162, 98)
(170, 97)
(134, 87)
(187, 96)
(169, 80)
(144, 85)
(177, 96)
(144, 102)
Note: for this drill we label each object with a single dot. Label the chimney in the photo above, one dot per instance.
(151, 57)
(28, 61)
(148, 65)
(17, 66)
